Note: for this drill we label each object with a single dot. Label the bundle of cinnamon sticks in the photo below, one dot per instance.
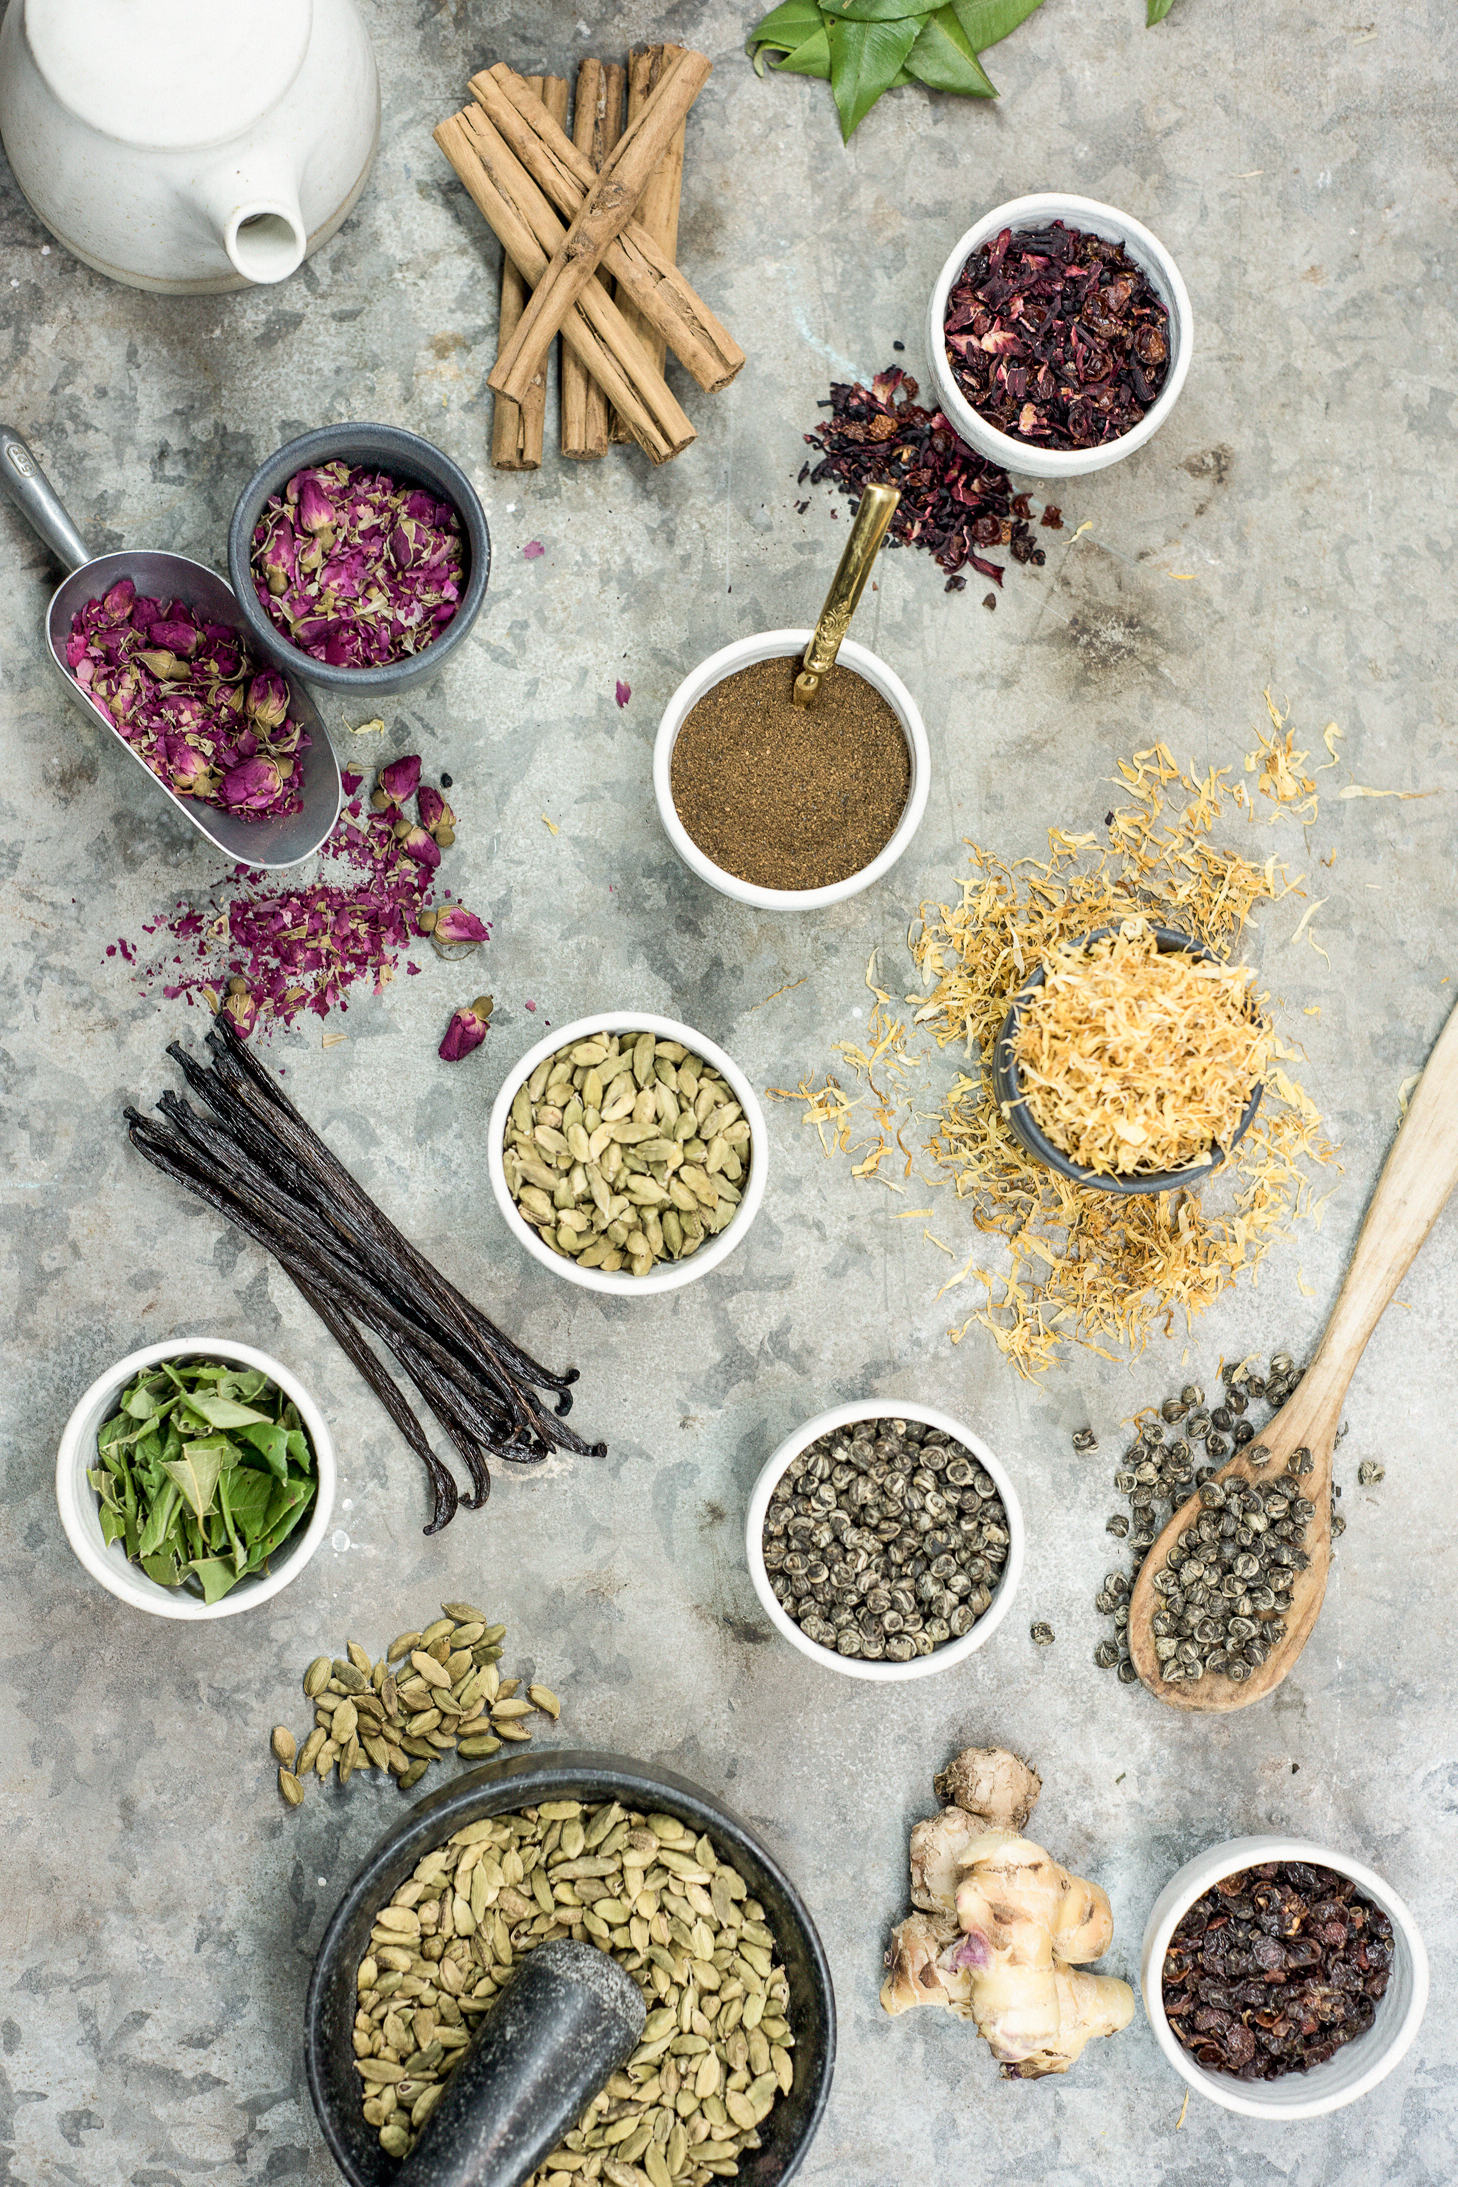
(589, 227)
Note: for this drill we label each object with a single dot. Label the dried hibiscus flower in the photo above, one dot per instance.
(953, 501)
(191, 701)
(1056, 337)
(356, 569)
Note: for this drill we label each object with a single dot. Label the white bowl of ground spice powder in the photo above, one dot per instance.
(783, 807)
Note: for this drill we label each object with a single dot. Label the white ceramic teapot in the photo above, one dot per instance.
(189, 146)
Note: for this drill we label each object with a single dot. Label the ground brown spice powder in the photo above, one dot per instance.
(786, 796)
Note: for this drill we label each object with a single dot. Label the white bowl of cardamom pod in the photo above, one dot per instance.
(596, 1157)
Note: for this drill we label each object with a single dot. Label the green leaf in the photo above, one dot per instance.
(300, 1454)
(943, 58)
(283, 1524)
(216, 1576)
(113, 1525)
(272, 1445)
(140, 1403)
(163, 1568)
(810, 59)
(786, 27)
(159, 1521)
(1158, 10)
(876, 11)
(865, 59)
(196, 1473)
(251, 1382)
(988, 21)
(250, 1495)
(222, 1412)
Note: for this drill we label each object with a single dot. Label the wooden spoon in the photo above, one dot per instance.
(1420, 1173)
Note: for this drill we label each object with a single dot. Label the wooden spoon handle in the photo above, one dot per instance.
(1420, 1172)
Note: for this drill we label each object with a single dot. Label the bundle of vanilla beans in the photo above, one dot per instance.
(589, 227)
(256, 1161)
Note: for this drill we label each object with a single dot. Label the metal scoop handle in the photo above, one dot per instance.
(38, 502)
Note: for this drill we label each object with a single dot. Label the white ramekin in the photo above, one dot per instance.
(951, 1652)
(1164, 275)
(668, 1275)
(770, 645)
(1358, 2066)
(80, 1513)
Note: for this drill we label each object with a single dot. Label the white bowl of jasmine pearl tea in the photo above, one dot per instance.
(951, 1652)
(667, 1275)
(728, 661)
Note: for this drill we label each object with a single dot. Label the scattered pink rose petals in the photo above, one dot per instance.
(466, 1030)
(533, 550)
(625, 692)
(303, 945)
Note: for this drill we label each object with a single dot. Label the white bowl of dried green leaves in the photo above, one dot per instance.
(207, 1459)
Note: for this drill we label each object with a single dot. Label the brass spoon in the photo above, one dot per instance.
(878, 506)
(1419, 1174)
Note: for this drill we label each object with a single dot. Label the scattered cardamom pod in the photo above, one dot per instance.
(443, 1694)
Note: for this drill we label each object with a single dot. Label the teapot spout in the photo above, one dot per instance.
(254, 210)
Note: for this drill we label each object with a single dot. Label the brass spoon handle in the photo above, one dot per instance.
(878, 506)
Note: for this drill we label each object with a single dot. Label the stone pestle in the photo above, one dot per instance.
(570, 2018)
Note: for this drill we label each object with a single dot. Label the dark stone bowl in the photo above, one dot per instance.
(503, 1788)
(414, 462)
(1007, 1090)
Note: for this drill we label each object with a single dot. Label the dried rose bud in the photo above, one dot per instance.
(268, 700)
(316, 511)
(425, 924)
(420, 846)
(433, 809)
(466, 1030)
(162, 662)
(457, 925)
(174, 636)
(120, 601)
(241, 1009)
(401, 778)
(187, 770)
(279, 559)
(253, 785)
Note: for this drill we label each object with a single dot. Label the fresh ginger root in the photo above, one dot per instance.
(1000, 1924)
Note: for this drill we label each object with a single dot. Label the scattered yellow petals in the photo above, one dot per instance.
(1307, 1290)
(1183, 577)
(375, 728)
(1306, 914)
(1311, 1010)
(1406, 1091)
(938, 1244)
(1085, 526)
(905, 1214)
(1331, 737)
(332, 1040)
(1061, 1264)
(1359, 789)
(546, 823)
(1184, 2107)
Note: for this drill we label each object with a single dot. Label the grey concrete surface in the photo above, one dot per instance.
(159, 1911)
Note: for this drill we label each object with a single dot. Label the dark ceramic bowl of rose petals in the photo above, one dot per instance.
(360, 556)
(1060, 334)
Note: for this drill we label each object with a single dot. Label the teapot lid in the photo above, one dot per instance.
(162, 74)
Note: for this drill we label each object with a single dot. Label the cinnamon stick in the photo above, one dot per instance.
(518, 429)
(597, 123)
(658, 207)
(639, 265)
(530, 232)
(606, 211)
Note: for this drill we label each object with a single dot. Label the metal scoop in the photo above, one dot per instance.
(873, 520)
(159, 576)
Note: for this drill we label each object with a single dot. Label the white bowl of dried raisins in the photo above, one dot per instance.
(1297, 1974)
(1051, 370)
(876, 1605)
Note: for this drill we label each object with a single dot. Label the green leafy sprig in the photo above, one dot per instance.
(205, 1471)
(865, 47)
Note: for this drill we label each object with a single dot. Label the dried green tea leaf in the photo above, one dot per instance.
(196, 1473)
(223, 1412)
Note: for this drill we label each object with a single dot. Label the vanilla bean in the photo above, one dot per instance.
(236, 1065)
(154, 1148)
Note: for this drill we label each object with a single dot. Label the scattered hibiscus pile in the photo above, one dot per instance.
(953, 502)
(356, 569)
(266, 954)
(190, 700)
